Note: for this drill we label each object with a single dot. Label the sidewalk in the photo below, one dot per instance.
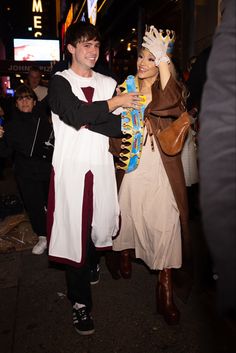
(35, 316)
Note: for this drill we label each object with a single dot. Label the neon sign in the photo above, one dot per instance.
(37, 9)
(92, 11)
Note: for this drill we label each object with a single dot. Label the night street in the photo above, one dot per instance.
(36, 316)
(117, 133)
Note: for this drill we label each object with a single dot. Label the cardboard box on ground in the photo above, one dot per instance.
(16, 234)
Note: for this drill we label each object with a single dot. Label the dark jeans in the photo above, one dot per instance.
(35, 197)
(78, 279)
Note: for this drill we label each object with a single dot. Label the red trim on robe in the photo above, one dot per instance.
(87, 216)
(87, 208)
(50, 206)
(88, 93)
(87, 213)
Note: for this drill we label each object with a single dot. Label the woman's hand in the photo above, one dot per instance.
(152, 40)
(1, 131)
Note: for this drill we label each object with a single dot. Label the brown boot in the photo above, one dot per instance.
(164, 296)
(125, 264)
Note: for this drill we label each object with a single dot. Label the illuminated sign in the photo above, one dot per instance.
(8, 67)
(36, 49)
(69, 18)
(92, 11)
(37, 9)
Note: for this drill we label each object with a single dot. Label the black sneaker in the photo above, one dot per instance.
(82, 321)
(95, 275)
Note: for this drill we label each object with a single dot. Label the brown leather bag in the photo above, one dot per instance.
(171, 139)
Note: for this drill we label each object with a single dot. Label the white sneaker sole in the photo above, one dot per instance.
(84, 333)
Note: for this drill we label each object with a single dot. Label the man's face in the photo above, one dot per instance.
(34, 79)
(85, 54)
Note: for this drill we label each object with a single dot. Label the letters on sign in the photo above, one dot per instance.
(37, 10)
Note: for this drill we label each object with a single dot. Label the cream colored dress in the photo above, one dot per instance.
(150, 221)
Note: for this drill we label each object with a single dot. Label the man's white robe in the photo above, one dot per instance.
(77, 154)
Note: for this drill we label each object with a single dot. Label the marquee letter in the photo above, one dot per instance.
(37, 6)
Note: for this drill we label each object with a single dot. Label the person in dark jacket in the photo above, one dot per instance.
(217, 156)
(24, 138)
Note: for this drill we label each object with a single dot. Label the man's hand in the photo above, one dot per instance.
(125, 100)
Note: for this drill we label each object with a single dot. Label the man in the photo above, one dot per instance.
(217, 156)
(34, 79)
(85, 209)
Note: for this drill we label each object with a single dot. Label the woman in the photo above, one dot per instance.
(25, 136)
(153, 197)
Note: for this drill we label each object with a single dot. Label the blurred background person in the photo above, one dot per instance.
(217, 158)
(190, 166)
(24, 137)
(34, 81)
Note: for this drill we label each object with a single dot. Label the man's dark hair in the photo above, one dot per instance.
(81, 32)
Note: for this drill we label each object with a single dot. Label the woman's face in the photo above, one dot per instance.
(146, 67)
(25, 103)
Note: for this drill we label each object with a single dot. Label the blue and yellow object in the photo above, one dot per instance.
(132, 126)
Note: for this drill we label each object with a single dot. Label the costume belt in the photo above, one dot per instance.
(132, 126)
(149, 133)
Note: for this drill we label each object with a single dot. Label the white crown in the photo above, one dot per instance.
(168, 38)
